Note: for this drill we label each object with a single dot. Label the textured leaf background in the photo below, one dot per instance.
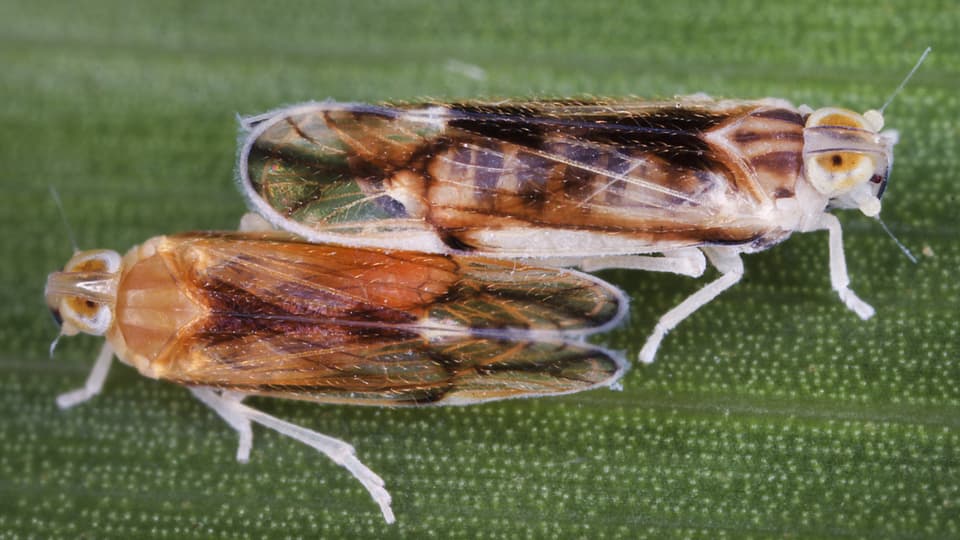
(774, 412)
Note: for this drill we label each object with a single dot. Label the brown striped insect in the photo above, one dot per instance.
(654, 185)
(231, 315)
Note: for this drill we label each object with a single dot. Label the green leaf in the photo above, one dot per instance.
(772, 412)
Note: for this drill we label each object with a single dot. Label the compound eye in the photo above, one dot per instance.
(837, 172)
(847, 169)
(85, 309)
(86, 315)
(842, 162)
(99, 260)
(842, 118)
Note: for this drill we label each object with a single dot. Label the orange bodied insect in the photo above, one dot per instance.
(231, 315)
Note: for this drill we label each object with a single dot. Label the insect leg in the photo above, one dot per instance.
(727, 260)
(94, 382)
(228, 405)
(220, 403)
(839, 278)
(686, 261)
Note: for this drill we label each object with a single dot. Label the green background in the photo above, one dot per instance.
(773, 412)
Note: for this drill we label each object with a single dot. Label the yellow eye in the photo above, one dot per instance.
(841, 118)
(89, 265)
(843, 162)
(837, 172)
(84, 315)
(86, 309)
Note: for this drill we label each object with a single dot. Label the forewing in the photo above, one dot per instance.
(341, 364)
(617, 168)
(255, 277)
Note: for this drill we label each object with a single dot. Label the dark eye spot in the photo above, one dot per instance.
(837, 160)
(876, 179)
(90, 304)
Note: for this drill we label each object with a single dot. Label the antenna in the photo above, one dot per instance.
(905, 79)
(903, 83)
(53, 346)
(73, 242)
(902, 247)
(63, 217)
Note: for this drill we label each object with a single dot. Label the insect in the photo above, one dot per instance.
(661, 185)
(231, 315)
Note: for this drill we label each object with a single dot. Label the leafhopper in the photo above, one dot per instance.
(230, 315)
(654, 185)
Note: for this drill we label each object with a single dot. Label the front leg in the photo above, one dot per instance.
(839, 278)
(94, 383)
